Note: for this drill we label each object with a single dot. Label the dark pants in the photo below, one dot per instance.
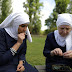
(12, 68)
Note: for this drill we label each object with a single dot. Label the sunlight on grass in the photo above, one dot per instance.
(34, 54)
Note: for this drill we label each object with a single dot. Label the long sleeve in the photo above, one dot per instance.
(5, 55)
(47, 47)
(22, 55)
(23, 50)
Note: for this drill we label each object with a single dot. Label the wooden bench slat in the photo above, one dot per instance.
(41, 70)
(40, 67)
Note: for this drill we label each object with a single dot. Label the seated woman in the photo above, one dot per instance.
(58, 44)
(13, 43)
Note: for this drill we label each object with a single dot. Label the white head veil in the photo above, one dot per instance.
(64, 19)
(12, 22)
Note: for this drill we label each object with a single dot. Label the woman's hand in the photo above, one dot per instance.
(68, 54)
(20, 68)
(21, 37)
(56, 51)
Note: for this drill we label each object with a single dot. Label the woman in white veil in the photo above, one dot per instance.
(58, 44)
(13, 34)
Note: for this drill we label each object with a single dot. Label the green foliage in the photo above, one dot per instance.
(5, 9)
(69, 9)
(41, 32)
(61, 7)
(33, 9)
(51, 21)
(49, 30)
(37, 27)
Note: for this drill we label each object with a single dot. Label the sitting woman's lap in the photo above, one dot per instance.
(12, 68)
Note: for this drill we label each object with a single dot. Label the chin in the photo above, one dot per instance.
(64, 35)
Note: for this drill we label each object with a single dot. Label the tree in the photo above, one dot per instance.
(36, 25)
(33, 9)
(61, 7)
(69, 8)
(5, 9)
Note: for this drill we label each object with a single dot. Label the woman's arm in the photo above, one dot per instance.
(22, 59)
(6, 55)
(47, 47)
(23, 51)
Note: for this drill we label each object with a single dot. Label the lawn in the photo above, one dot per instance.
(34, 54)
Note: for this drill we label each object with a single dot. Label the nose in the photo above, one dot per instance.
(65, 31)
(24, 29)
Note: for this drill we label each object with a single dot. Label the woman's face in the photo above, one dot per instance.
(64, 30)
(22, 28)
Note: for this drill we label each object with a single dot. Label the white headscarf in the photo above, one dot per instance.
(64, 19)
(12, 22)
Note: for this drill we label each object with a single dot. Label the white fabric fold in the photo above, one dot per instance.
(28, 35)
(64, 19)
(62, 41)
(69, 42)
(59, 39)
(12, 22)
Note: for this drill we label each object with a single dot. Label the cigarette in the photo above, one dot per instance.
(26, 34)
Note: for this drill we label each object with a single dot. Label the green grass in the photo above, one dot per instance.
(34, 54)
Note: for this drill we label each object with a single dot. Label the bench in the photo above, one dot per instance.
(40, 68)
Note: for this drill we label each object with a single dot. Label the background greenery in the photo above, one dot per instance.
(33, 9)
(62, 6)
(34, 54)
(5, 9)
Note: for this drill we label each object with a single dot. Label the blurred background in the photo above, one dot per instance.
(43, 15)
